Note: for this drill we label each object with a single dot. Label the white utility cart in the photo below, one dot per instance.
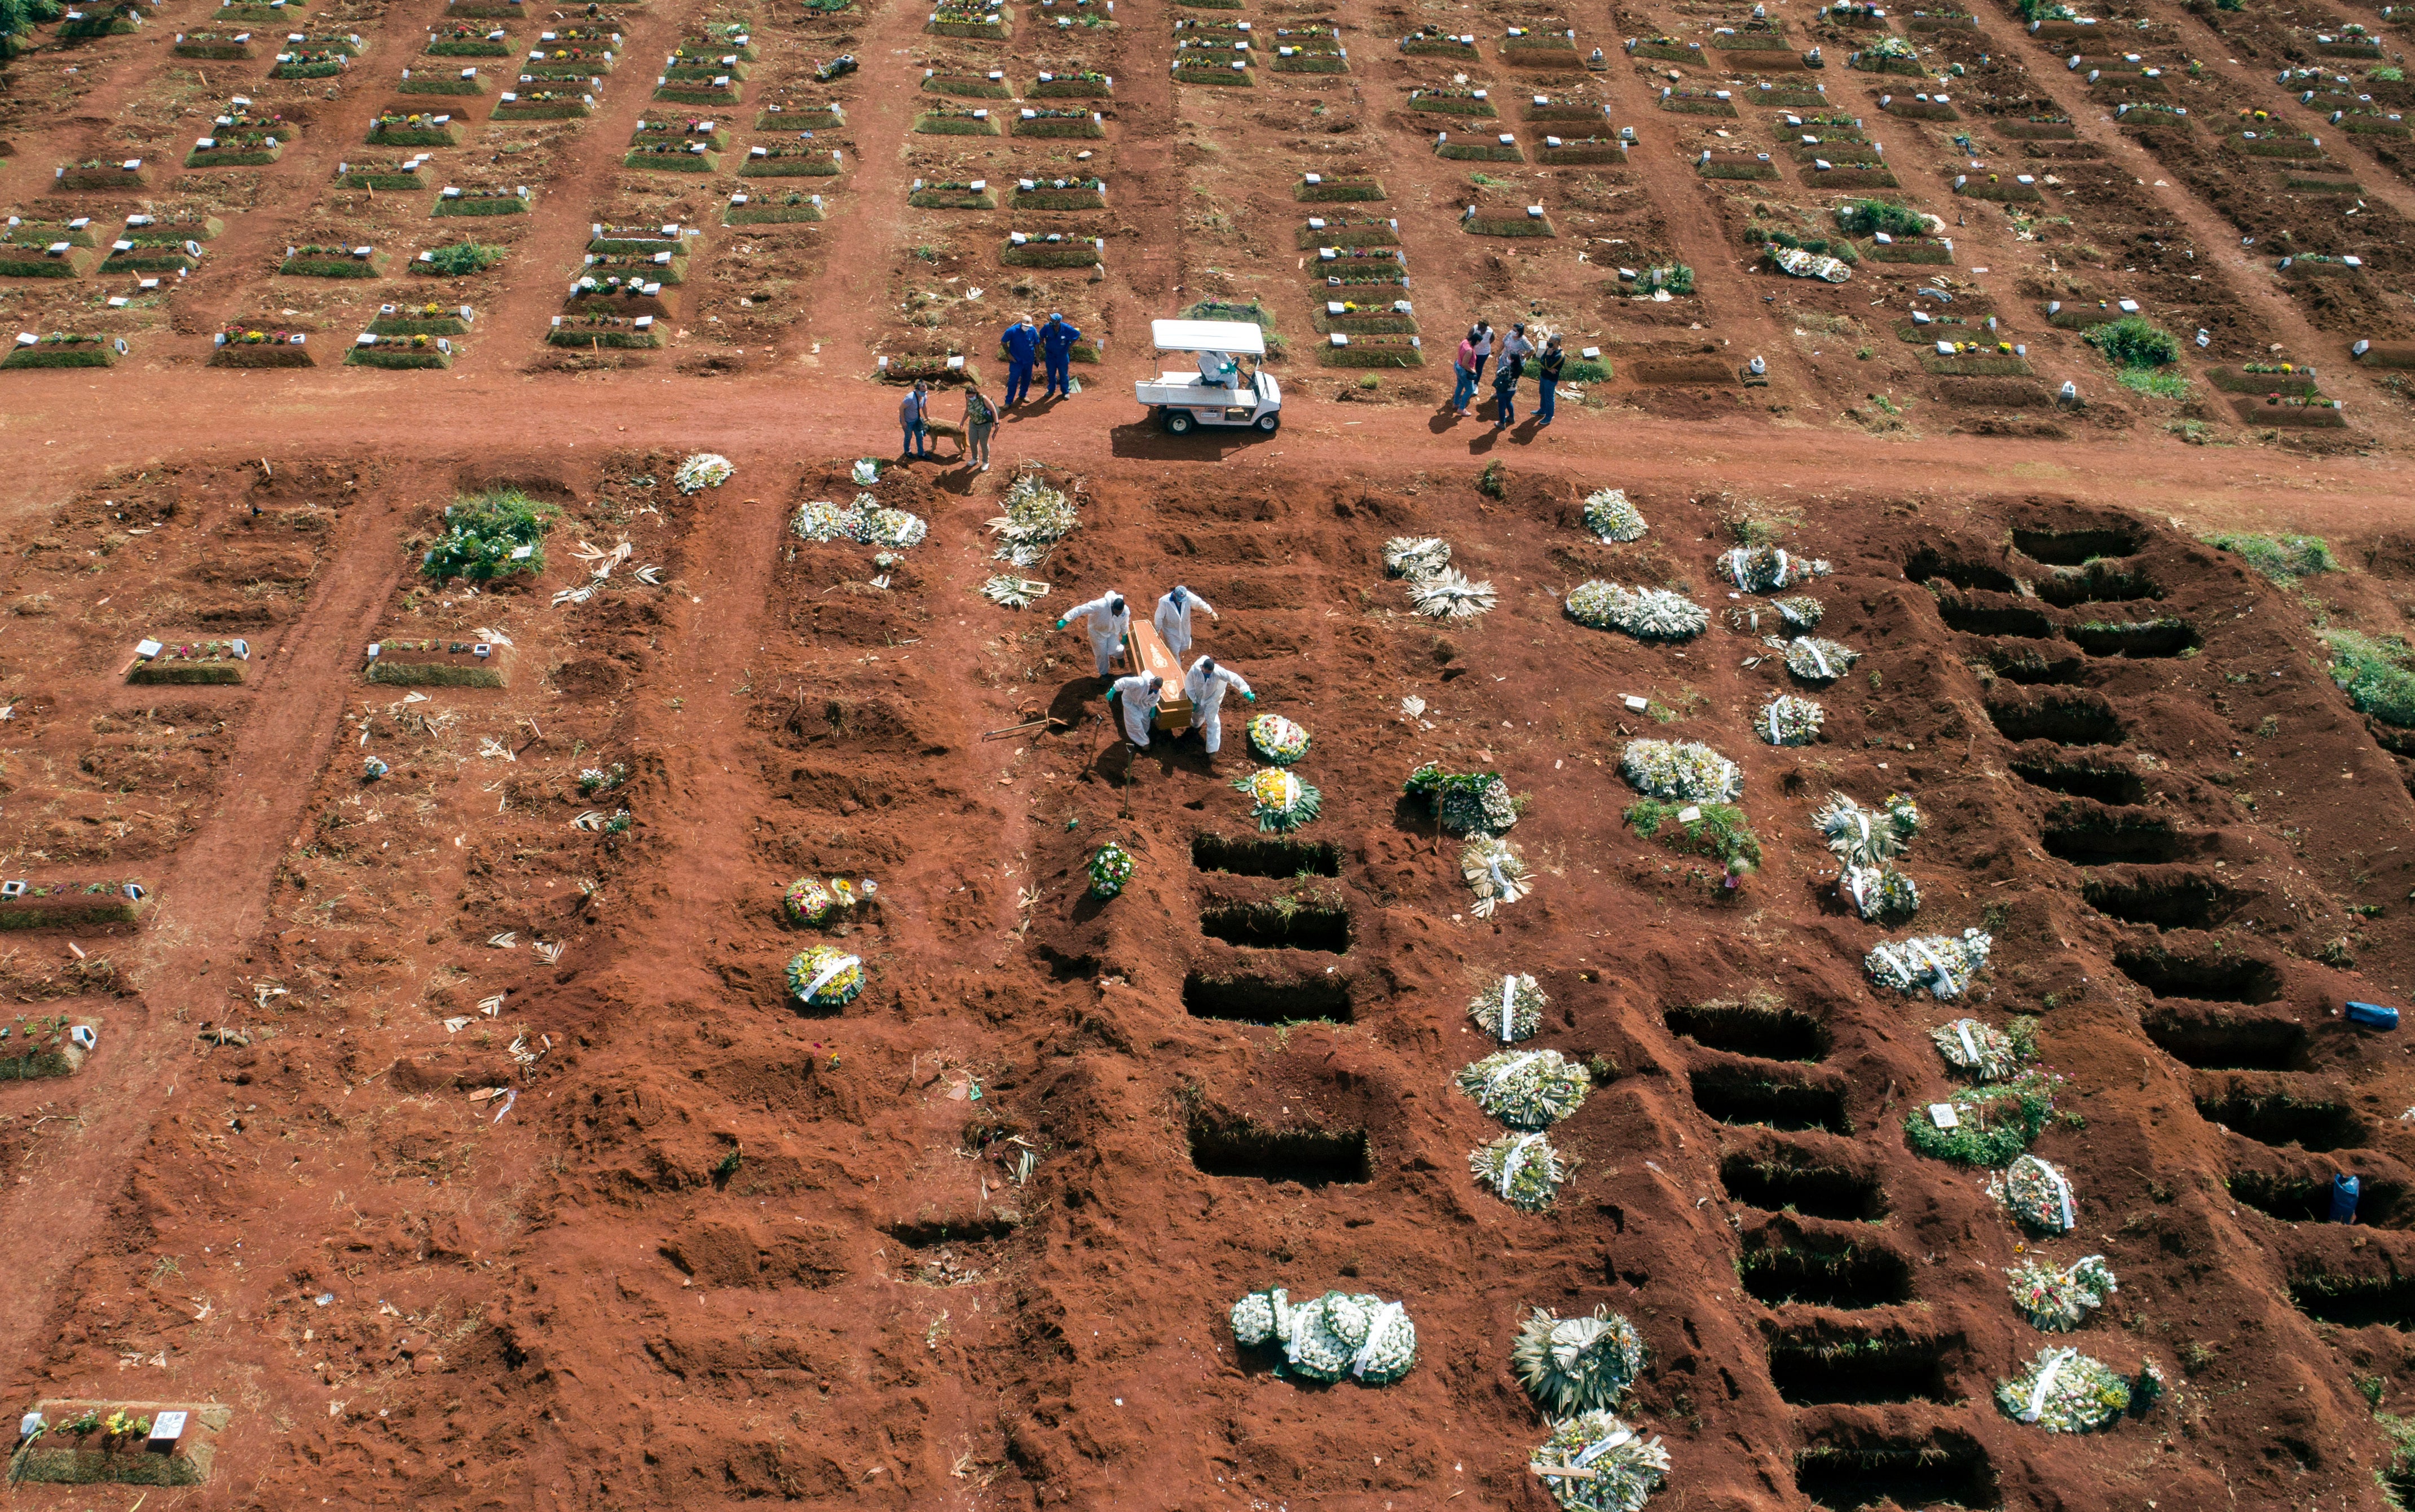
(1218, 390)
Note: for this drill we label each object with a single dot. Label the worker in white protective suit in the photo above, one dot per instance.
(1137, 695)
(1108, 618)
(1217, 370)
(1205, 685)
(1173, 618)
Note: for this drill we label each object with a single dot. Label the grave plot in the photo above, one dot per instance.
(623, 299)
(125, 1444)
(1358, 283)
(1214, 52)
(118, 754)
(55, 1042)
(750, 289)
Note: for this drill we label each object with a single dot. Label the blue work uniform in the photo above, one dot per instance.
(1022, 344)
(1056, 341)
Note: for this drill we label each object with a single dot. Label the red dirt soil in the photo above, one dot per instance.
(624, 1227)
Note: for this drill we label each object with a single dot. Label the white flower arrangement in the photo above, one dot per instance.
(1760, 569)
(1623, 1467)
(1787, 720)
(1494, 873)
(1609, 515)
(1340, 1334)
(1975, 1048)
(1646, 613)
(1815, 660)
(1510, 1009)
(1579, 1364)
(1523, 1170)
(866, 521)
(1037, 517)
(1941, 965)
(705, 469)
(1416, 555)
(2064, 1391)
(2058, 1301)
(2038, 1194)
(1690, 771)
(1526, 1088)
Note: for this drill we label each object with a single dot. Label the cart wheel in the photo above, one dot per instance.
(1270, 423)
(1178, 422)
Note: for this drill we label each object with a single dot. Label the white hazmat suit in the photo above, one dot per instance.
(1173, 618)
(1137, 697)
(1108, 618)
(1205, 685)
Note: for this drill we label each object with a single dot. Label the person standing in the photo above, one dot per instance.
(1547, 379)
(1505, 394)
(1483, 347)
(1205, 685)
(1468, 362)
(1172, 619)
(1056, 341)
(981, 418)
(1022, 344)
(1516, 349)
(910, 417)
(1106, 618)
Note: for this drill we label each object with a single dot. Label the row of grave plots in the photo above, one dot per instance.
(2035, 204)
(2284, 157)
(709, 229)
(1011, 200)
(1507, 130)
(1548, 140)
(421, 216)
(145, 608)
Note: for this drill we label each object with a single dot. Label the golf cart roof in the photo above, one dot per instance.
(1241, 338)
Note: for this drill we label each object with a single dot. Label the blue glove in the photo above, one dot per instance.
(1251, 696)
(1061, 623)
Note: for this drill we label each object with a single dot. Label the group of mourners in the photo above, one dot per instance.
(1519, 356)
(1051, 345)
(1107, 620)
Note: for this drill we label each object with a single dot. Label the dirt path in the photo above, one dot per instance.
(852, 290)
(1147, 184)
(1718, 273)
(212, 904)
(216, 412)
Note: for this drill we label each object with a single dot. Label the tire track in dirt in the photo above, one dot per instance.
(212, 904)
(851, 292)
(2256, 291)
